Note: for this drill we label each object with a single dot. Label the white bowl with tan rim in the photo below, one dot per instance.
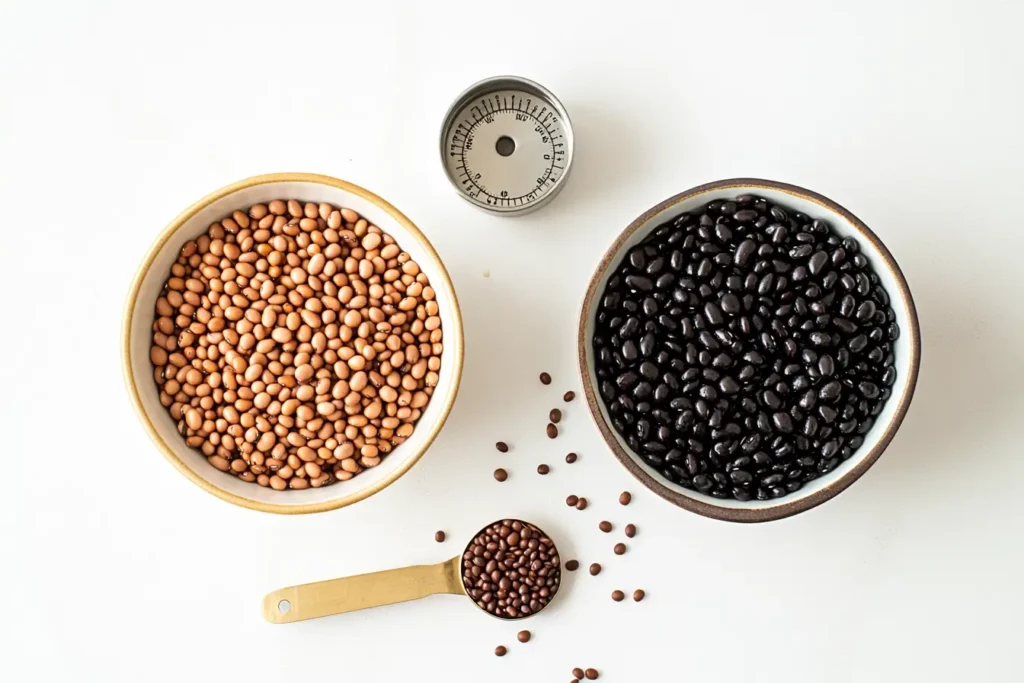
(139, 318)
(907, 350)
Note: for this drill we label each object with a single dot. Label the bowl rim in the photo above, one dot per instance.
(783, 508)
(456, 339)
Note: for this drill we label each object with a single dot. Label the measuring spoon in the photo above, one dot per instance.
(337, 596)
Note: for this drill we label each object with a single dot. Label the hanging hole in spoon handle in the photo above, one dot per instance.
(337, 596)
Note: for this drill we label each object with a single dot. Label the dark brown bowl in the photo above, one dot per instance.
(907, 351)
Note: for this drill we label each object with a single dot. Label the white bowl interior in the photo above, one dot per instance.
(142, 321)
(842, 227)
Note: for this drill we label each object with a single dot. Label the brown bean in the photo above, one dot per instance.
(295, 334)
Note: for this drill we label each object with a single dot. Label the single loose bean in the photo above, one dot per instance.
(285, 340)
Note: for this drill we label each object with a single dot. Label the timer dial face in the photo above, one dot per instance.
(506, 150)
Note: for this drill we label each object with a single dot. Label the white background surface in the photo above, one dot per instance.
(113, 117)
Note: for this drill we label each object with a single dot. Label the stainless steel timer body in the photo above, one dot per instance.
(507, 145)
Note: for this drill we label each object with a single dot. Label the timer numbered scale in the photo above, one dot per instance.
(507, 145)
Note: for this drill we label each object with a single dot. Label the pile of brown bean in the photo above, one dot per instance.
(511, 569)
(295, 345)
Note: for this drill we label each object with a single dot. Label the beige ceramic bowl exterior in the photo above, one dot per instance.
(138, 319)
(907, 351)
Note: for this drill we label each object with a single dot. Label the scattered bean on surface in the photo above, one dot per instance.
(625, 498)
(618, 595)
(500, 474)
(545, 378)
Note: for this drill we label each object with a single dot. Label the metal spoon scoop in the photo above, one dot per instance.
(510, 569)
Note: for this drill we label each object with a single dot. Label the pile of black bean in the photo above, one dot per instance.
(743, 350)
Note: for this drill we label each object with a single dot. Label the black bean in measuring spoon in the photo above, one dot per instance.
(742, 320)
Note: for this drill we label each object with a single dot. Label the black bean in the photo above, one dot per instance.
(639, 282)
(805, 322)
(730, 303)
(637, 258)
(817, 262)
(868, 389)
(858, 343)
(647, 344)
(783, 422)
(745, 249)
(830, 391)
(713, 313)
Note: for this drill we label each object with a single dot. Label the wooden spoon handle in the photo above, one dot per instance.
(337, 596)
